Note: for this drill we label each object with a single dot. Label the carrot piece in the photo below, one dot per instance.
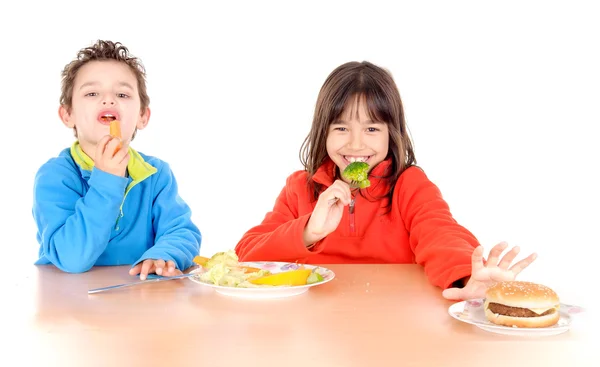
(115, 132)
(115, 129)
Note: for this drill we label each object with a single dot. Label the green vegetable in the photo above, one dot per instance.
(357, 174)
(314, 277)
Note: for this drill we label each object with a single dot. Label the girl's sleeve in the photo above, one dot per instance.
(280, 235)
(441, 245)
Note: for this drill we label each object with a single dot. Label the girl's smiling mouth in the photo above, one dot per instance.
(356, 158)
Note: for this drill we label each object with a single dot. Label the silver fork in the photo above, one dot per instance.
(353, 188)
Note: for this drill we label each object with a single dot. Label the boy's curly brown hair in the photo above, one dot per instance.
(100, 51)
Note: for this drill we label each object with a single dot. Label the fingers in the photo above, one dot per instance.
(147, 267)
(171, 269)
(495, 253)
(121, 153)
(159, 266)
(171, 266)
(101, 146)
(340, 190)
(452, 294)
(521, 265)
(112, 147)
(166, 269)
(477, 260)
(135, 270)
(509, 257)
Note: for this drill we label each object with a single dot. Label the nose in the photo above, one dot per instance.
(356, 140)
(108, 100)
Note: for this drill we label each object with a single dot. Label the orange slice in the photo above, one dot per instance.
(200, 260)
(290, 278)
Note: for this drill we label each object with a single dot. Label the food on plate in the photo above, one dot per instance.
(224, 269)
(522, 304)
(219, 257)
(289, 278)
(314, 277)
(357, 173)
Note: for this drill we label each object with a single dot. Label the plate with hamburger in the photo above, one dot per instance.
(517, 308)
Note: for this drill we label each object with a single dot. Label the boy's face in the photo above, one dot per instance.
(103, 91)
(354, 137)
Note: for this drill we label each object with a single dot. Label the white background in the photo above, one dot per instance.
(501, 99)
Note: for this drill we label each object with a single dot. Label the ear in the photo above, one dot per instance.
(143, 120)
(65, 117)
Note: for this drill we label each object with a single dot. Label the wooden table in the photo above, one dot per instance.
(388, 315)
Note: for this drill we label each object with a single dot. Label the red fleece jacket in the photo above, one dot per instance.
(419, 228)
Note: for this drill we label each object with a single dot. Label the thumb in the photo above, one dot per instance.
(452, 294)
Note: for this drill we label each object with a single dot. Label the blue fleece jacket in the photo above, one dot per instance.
(87, 217)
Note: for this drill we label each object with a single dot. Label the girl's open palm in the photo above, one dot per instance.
(485, 274)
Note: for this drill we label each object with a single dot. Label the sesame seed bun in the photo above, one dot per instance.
(522, 304)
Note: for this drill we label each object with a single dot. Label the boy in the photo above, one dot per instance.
(100, 202)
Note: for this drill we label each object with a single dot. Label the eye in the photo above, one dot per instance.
(91, 94)
(372, 129)
(122, 95)
(340, 129)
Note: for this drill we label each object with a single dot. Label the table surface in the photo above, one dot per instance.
(383, 314)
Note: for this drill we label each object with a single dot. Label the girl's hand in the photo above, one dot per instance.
(108, 159)
(159, 267)
(485, 275)
(327, 213)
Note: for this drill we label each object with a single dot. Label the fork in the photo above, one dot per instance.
(353, 188)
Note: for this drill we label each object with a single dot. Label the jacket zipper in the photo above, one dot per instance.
(119, 217)
(129, 187)
(351, 209)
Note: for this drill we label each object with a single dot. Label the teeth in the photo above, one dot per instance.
(356, 159)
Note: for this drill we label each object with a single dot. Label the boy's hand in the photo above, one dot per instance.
(327, 213)
(485, 275)
(110, 158)
(159, 267)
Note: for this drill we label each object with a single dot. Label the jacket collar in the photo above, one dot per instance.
(137, 168)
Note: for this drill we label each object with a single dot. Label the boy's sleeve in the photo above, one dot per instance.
(280, 235)
(440, 244)
(177, 237)
(74, 229)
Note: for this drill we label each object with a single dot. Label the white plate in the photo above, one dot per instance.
(472, 312)
(268, 292)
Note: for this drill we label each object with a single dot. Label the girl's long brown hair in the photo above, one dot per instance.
(376, 85)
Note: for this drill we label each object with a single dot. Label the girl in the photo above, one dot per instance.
(400, 218)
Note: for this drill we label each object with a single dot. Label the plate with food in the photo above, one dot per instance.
(257, 279)
(517, 308)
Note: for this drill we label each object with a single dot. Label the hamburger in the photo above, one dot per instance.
(521, 304)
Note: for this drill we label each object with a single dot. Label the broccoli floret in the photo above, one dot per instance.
(357, 173)
(364, 184)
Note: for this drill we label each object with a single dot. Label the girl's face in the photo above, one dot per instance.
(355, 137)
